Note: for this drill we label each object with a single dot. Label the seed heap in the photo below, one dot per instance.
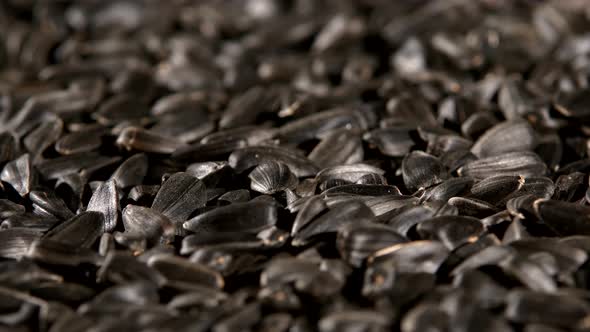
(294, 165)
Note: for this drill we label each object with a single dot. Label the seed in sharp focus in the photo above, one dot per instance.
(270, 177)
(145, 223)
(48, 202)
(337, 217)
(421, 170)
(106, 201)
(80, 231)
(179, 196)
(525, 164)
(249, 217)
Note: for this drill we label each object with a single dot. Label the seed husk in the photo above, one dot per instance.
(179, 196)
(505, 137)
(421, 170)
(20, 174)
(525, 164)
(271, 177)
(105, 200)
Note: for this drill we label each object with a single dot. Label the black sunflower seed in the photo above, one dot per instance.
(144, 223)
(413, 257)
(531, 307)
(80, 231)
(337, 148)
(353, 320)
(453, 231)
(183, 273)
(131, 172)
(245, 108)
(525, 164)
(313, 126)
(47, 203)
(179, 196)
(235, 196)
(105, 200)
(562, 217)
(8, 147)
(20, 174)
(70, 164)
(133, 138)
(393, 142)
(421, 170)
(120, 108)
(270, 177)
(404, 221)
(80, 141)
(43, 136)
(357, 242)
(338, 216)
(187, 126)
(362, 189)
(16, 241)
(250, 217)
(505, 137)
(243, 159)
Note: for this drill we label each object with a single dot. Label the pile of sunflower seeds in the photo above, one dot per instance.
(294, 165)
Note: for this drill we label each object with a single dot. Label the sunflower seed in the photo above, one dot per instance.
(43, 136)
(48, 203)
(145, 223)
(421, 170)
(338, 216)
(357, 242)
(270, 177)
(183, 272)
(505, 137)
(525, 164)
(131, 172)
(179, 196)
(453, 231)
(244, 217)
(133, 138)
(243, 159)
(562, 217)
(339, 147)
(20, 174)
(106, 201)
(531, 307)
(80, 231)
(16, 241)
(313, 126)
(81, 141)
